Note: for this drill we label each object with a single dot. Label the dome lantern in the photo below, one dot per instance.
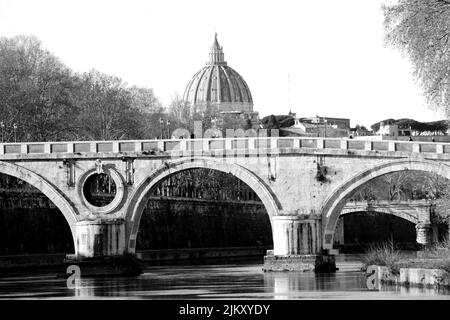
(216, 56)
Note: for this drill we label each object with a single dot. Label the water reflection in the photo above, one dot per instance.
(219, 281)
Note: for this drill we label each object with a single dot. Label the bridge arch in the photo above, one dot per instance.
(143, 192)
(47, 189)
(402, 215)
(333, 206)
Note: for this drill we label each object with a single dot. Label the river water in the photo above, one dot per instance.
(233, 280)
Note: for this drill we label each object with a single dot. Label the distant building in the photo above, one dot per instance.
(340, 123)
(390, 130)
(318, 127)
(360, 131)
(394, 130)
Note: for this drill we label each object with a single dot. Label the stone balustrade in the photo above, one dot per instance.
(251, 144)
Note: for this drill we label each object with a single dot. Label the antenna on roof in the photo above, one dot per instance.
(289, 93)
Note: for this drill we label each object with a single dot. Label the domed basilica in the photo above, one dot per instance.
(218, 90)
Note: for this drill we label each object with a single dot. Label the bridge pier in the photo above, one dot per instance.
(297, 246)
(424, 233)
(100, 249)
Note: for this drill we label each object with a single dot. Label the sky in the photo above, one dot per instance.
(331, 51)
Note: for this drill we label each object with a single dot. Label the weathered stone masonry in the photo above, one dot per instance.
(303, 209)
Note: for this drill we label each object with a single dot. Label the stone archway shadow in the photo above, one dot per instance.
(403, 216)
(47, 189)
(332, 207)
(142, 193)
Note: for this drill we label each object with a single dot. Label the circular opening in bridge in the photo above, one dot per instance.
(99, 189)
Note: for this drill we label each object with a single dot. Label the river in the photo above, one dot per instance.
(232, 280)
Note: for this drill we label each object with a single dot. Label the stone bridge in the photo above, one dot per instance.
(415, 211)
(418, 212)
(303, 182)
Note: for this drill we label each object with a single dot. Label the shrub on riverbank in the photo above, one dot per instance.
(436, 256)
(440, 250)
(382, 254)
(387, 254)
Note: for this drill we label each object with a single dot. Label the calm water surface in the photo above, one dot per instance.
(238, 280)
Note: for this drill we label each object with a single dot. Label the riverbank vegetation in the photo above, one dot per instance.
(382, 254)
(421, 30)
(387, 254)
(42, 99)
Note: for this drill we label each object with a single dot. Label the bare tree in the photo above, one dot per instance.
(106, 110)
(421, 29)
(180, 110)
(145, 100)
(36, 92)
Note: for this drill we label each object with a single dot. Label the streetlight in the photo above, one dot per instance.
(15, 132)
(317, 120)
(161, 122)
(2, 125)
(168, 128)
(214, 122)
(325, 128)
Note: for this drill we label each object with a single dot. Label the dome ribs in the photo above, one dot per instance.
(200, 88)
(209, 88)
(218, 86)
(230, 85)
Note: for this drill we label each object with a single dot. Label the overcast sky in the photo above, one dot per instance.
(332, 50)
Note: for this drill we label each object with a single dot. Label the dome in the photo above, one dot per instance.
(218, 87)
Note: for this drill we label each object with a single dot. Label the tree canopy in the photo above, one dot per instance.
(277, 121)
(421, 30)
(433, 127)
(44, 100)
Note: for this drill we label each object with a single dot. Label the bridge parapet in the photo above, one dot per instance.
(217, 145)
(384, 203)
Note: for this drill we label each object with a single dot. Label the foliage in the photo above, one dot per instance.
(277, 122)
(376, 126)
(443, 207)
(47, 101)
(180, 111)
(382, 254)
(433, 127)
(410, 185)
(105, 106)
(437, 250)
(360, 128)
(404, 185)
(145, 100)
(36, 92)
(439, 127)
(436, 256)
(421, 29)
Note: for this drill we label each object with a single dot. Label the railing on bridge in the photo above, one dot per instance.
(386, 203)
(211, 144)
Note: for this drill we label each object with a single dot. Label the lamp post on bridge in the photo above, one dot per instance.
(2, 125)
(316, 120)
(168, 128)
(161, 122)
(15, 132)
